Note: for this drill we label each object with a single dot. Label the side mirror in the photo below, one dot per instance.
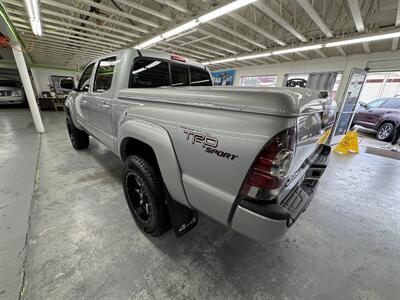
(67, 84)
(365, 105)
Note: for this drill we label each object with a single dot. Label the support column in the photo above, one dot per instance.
(23, 73)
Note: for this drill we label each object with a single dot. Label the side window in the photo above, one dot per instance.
(104, 74)
(149, 73)
(391, 103)
(376, 103)
(84, 82)
(199, 77)
(180, 75)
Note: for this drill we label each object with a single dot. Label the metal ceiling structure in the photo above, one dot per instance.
(76, 31)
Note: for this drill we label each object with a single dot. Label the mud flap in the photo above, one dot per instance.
(183, 219)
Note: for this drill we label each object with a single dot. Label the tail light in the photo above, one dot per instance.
(270, 170)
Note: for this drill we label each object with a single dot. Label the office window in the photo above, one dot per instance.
(260, 81)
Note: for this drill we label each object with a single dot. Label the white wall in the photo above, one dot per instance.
(42, 80)
(375, 61)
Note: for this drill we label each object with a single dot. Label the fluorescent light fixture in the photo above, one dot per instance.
(298, 49)
(150, 42)
(191, 24)
(32, 6)
(180, 29)
(364, 39)
(260, 55)
(221, 61)
(224, 10)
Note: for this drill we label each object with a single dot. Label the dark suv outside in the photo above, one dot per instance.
(381, 115)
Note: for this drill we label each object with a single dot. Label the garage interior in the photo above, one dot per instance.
(65, 229)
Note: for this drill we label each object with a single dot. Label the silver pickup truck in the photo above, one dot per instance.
(248, 157)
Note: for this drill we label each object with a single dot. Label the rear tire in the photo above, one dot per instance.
(385, 132)
(79, 139)
(145, 195)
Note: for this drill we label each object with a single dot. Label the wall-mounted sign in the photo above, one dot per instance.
(223, 77)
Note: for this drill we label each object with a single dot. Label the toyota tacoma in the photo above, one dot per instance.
(250, 158)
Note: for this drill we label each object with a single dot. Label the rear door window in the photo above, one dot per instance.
(149, 73)
(104, 74)
(84, 82)
(199, 77)
(180, 75)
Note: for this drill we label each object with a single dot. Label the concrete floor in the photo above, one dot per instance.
(84, 244)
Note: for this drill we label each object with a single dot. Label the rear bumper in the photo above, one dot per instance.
(266, 222)
(11, 99)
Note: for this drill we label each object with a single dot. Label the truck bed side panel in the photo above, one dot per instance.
(213, 149)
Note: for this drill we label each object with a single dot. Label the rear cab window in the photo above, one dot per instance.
(199, 77)
(152, 72)
(149, 73)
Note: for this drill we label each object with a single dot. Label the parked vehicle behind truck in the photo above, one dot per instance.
(247, 157)
(11, 92)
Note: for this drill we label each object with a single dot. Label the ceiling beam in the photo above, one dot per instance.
(285, 57)
(224, 40)
(59, 45)
(236, 34)
(256, 28)
(341, 51)
(90, 14)
(202, 54)
(398, 15)
(281, 21)
(144, 9)
(356, 13)
(213, 45)
(366, 47)
(116, 12)
(315, 16)
(301, 54)
(321, 53)
(86, 29)
(395, 43)
(52, 13)
(69, 39)
(173, 5)
(196, 40)
(79, 39)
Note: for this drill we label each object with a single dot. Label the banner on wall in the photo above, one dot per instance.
(223, 77)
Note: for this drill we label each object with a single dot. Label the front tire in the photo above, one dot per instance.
(145, 195)
(79, 139)
(385, 132)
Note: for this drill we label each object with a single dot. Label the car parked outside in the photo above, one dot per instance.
(381, 115)
(11, 92)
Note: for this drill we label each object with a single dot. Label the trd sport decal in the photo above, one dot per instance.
(208, 142)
